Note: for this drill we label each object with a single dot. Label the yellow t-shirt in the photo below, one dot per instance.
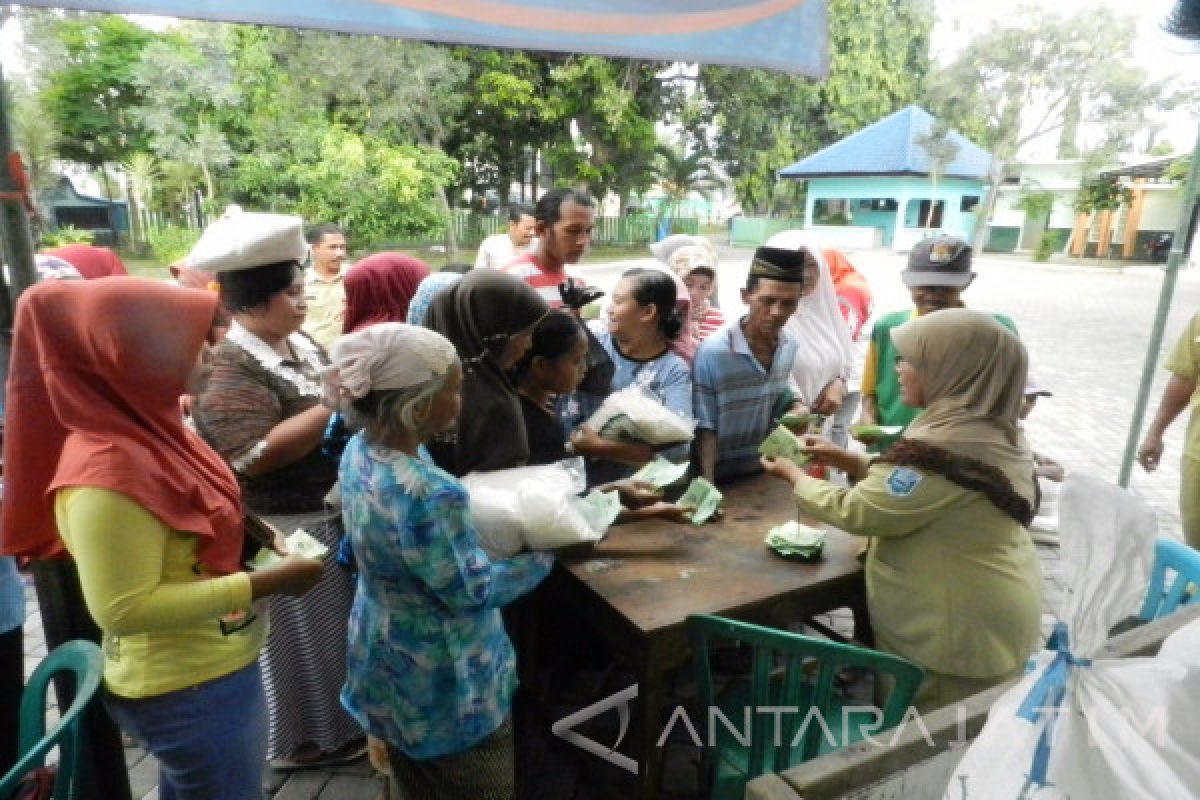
(1184, 361)
(161, 617)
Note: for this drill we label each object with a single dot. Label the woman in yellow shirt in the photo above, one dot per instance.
(953, 580)
(98, 458)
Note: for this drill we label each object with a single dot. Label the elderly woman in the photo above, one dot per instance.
(432, 672)
(488, 316)
(260, 407)
(99, 460)
(953, 582)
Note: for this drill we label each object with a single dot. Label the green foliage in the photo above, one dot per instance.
(1179, 169)
(1034, 202)
(767, 120)
(91, 98)
(1102, 194)
(170, 243)
(1045, 73)
(1050, 243)
(680, 173)
(614, 104)
(377, 191)
(67, 234)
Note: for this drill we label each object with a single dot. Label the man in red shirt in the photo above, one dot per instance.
(565, 219)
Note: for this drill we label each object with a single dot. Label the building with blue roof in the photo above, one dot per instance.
(874, 188)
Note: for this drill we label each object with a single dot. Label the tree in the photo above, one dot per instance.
(187, 86)
(142, 172)
(36, 141)
(941, 150)
(680, 173)
(507, 121)
(91, 99)
(406, 93)
(1043, 74)
(766, 120)
(614, 105)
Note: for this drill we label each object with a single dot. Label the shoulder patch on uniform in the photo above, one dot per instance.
(903, 481)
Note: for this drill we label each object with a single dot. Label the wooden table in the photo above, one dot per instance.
(639, 585)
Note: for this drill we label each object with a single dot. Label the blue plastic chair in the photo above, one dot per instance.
(1163, 598)
(85, 662)
(793, 671)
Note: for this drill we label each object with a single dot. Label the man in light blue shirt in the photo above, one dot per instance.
(741, 373)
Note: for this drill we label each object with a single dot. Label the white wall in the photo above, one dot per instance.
(1161, 209)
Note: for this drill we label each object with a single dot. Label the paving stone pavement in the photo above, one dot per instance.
(1086, 328)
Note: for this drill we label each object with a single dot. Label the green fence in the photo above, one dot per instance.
(471, 229)
(753, 231)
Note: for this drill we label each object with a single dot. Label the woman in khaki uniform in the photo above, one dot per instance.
(953, 581)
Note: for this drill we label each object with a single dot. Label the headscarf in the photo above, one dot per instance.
(379, 289)
(973, 372)
(91, 261)
(853, 291)
(389, 355)
(428, 289)
(664, 249)
(684, 262)
(93, 400)
(478, 315)
(825, 350)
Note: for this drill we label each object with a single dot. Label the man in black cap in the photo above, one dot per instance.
(938, 271)
(741, 373)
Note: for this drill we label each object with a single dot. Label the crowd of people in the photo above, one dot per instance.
(151, 428)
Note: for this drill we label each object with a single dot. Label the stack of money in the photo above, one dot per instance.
(782, 443)
(794, 540)
(702, 499)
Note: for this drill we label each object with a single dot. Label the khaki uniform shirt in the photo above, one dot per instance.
(953, 583)
(1184, 361)
(326, 300)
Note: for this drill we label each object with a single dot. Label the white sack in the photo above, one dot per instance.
(635, 413)
(1125, 729)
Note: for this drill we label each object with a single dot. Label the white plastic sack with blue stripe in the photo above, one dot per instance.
(1125, 729)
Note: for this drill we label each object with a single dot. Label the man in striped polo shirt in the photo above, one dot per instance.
(741, 375)
(565, 219)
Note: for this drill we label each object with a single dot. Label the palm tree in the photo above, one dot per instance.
(142, 172)
(680, 173)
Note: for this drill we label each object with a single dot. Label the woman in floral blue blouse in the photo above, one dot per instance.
(431, 671)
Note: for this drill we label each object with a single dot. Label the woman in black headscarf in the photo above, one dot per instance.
(489, 316)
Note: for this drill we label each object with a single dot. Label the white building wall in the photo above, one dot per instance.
(1161, 209)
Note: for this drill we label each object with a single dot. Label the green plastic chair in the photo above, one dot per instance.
(791, 671)
(85, 662)
(1163, 597)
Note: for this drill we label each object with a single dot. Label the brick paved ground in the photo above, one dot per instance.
(1086, 328)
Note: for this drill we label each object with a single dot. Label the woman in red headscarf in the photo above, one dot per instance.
(379, 289)
(99, 464)
(91, 261)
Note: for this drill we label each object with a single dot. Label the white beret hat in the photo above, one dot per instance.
(244, 240)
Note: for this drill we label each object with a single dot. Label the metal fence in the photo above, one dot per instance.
(471, 229)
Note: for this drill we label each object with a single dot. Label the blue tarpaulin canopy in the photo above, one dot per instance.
(787, 35)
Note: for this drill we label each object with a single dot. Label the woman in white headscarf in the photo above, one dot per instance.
(826, 354)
